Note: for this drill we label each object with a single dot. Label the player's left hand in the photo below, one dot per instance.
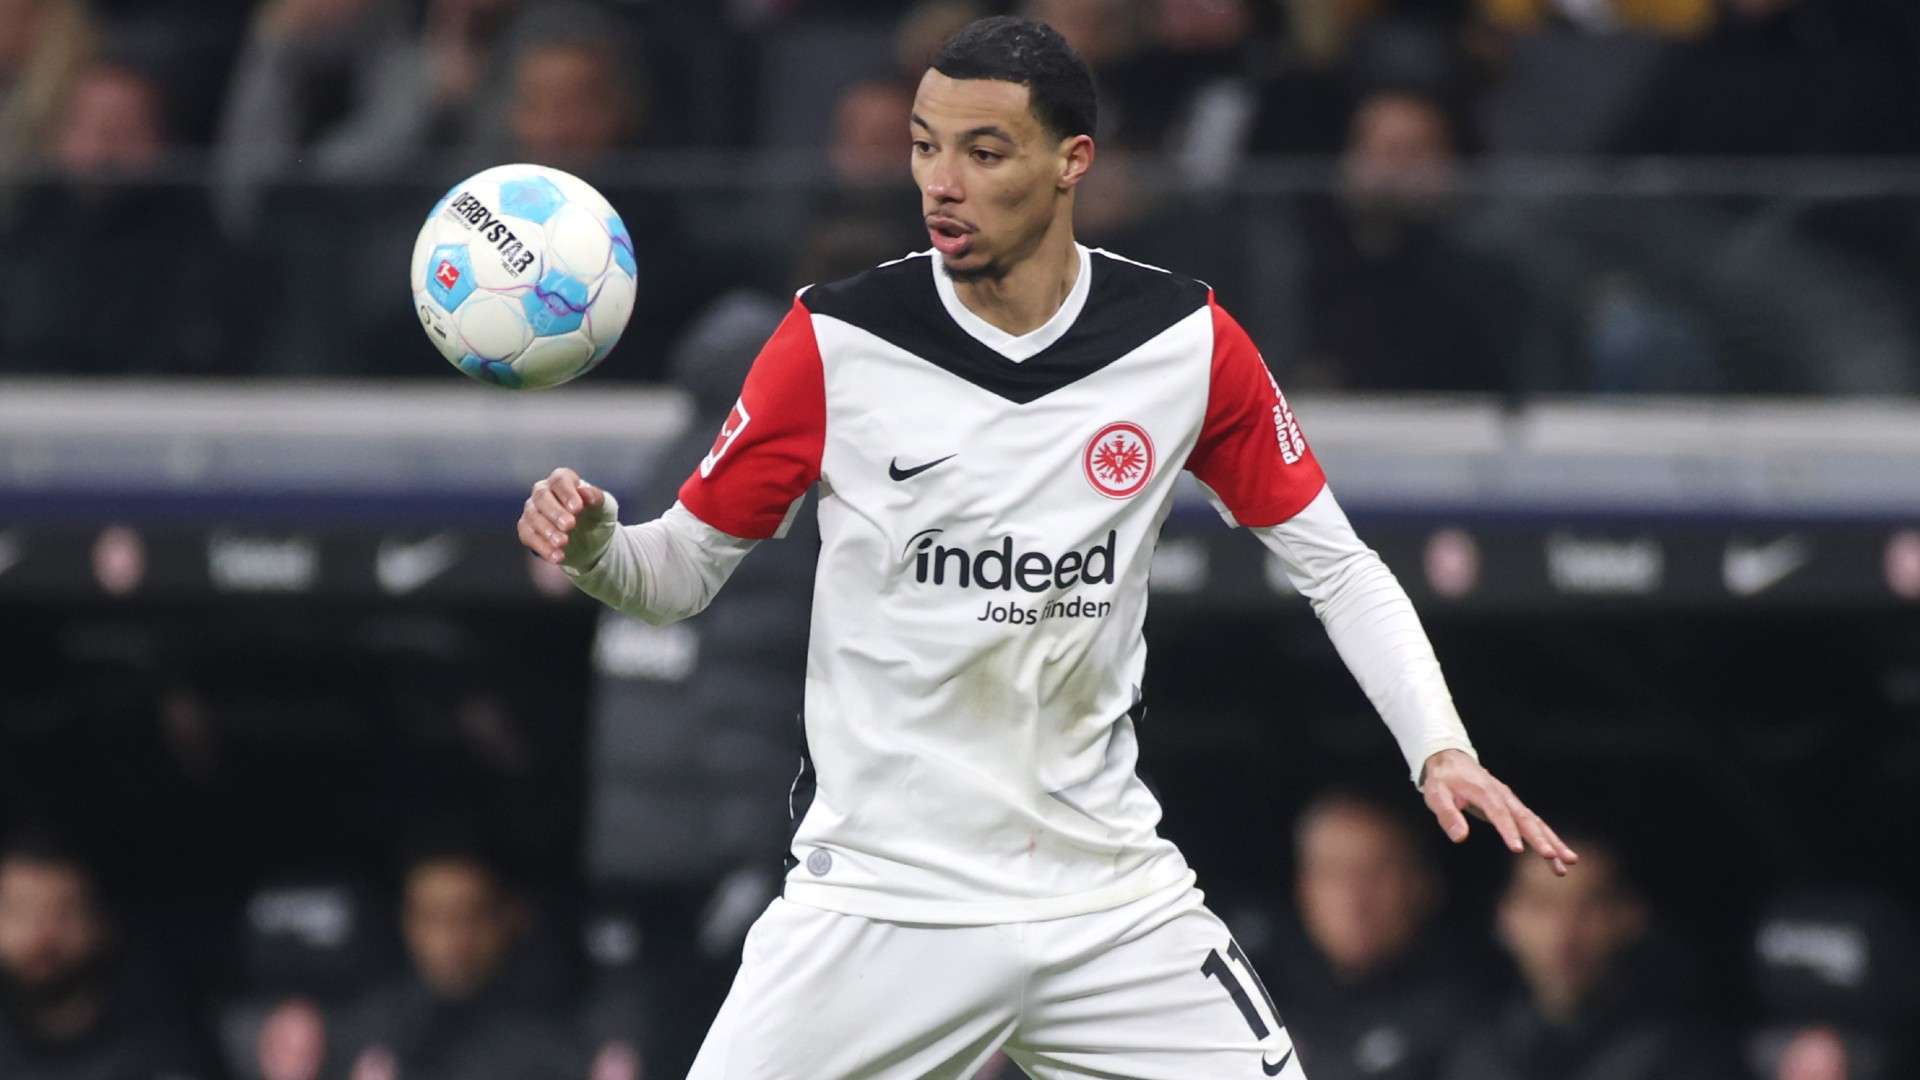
(1456, 785)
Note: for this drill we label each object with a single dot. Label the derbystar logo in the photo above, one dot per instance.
(1005, 568)
(514, 254)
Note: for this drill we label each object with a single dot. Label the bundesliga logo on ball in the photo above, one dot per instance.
(524, 277)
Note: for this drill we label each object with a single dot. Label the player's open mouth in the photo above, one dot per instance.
(951, 238)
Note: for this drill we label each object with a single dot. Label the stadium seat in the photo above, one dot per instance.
(321, 938)
(1840, 959)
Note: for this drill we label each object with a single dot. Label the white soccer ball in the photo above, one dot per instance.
(524, 277)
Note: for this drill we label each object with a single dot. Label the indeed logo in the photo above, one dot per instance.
(1004, 568)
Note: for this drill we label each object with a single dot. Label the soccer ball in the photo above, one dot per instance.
(524, 277)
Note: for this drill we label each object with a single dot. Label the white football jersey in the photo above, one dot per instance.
(989, 506)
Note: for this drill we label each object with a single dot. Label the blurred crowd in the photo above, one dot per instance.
(229, 186)
(1376, 974)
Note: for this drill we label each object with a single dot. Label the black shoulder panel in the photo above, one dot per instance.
(1127, 305)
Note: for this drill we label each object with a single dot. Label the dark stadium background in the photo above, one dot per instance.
(1608, 299)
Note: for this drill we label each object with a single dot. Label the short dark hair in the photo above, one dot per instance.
(1008, 48)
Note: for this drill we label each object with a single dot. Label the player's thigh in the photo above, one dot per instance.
(824, 996)
(1168, 996)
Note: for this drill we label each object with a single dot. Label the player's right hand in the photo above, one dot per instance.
(563, 511)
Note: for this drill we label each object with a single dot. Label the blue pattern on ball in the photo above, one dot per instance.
(623, 246)
(534, 198)
(490, 371)
(449, 275)
(557, 305)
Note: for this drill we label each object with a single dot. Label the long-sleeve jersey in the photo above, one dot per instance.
(989, 506)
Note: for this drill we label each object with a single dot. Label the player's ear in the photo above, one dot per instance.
(1076, 157)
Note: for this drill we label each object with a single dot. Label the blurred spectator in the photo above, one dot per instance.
(42, 45)
(1172, 75)
(580, 96)
(694, 727)
(1398, 300)
(1401, 156)
(564, 87)
(110, 269)
(1814, 1054)
(460, 1015)
(695, 732)
(1129, 206)
(293, 1042)
(1333, 53)
(1201, 68)
(924, 28)
(869, 140)
(1784, 77)
(579, 90)
(284, 104)
(1669, 18)
(1303, 93)
(1838, 978)
(1110, 37)
(1365, 990)
(347, 87)
(1584, 1014)
(837, 247)
(1104, 32)
(66, 1008)
(873, 191)
(114, 124)
(307, 943)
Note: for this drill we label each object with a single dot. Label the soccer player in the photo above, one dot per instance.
(994, 428)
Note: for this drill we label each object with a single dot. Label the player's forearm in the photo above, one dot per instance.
(661, 571)
(1373, 626)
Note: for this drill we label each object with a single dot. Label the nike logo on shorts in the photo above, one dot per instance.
(1273, 1068)
(894, 470)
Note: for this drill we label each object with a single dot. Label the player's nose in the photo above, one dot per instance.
(943, 185)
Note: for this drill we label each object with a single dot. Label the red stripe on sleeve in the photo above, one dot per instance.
(767, 454)
(1251, 452)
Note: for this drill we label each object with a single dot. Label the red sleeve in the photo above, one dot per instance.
(768, 452)
(1251, 452)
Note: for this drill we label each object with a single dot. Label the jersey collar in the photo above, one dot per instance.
(1015, 347)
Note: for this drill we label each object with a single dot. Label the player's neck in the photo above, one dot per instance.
(1032, 290)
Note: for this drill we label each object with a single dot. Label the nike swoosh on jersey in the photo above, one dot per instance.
(894, 470)
(1273, 1068)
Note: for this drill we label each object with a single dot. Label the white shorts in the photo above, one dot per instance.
(1152, 990)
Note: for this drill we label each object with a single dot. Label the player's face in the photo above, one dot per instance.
(992, 180)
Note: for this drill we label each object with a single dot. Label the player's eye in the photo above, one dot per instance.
(986, 157)
(922, 146)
